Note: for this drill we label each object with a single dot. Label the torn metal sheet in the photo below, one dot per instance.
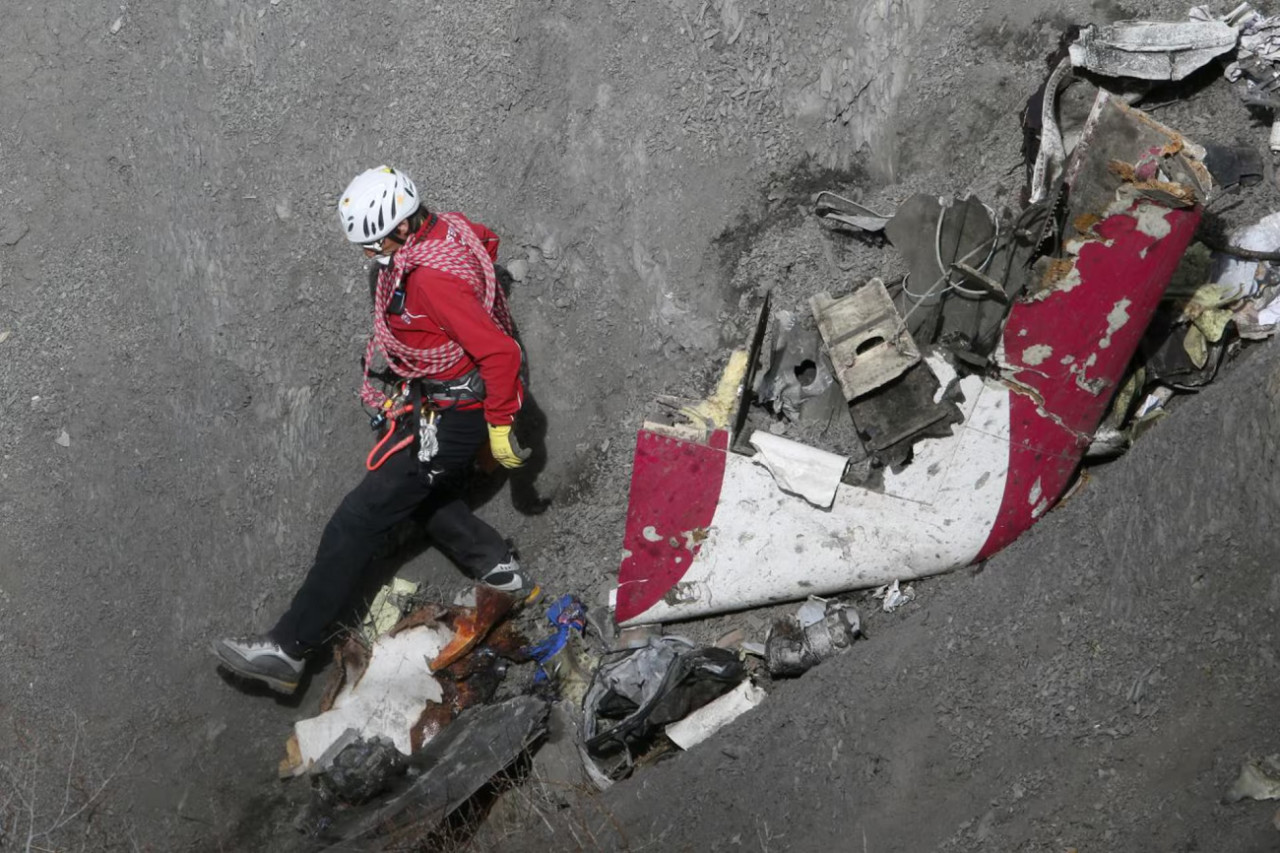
(893, 595)
(836, 208)
(1051, 156)
(799, 384)
(708, 531)
(866, 338)
(1249, 275)
(711, 718)
(799, 469)
(475, 748)
(1152, 50)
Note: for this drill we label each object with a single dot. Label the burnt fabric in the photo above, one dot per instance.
(386, 497)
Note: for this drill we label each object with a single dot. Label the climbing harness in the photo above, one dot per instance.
(460, 254)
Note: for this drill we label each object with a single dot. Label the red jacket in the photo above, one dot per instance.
(440, 307)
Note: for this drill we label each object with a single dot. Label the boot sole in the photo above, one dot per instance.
(236, 664)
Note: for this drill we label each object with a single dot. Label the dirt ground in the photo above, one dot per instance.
(180, 323)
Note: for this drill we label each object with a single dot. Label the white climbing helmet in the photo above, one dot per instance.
(375, 203)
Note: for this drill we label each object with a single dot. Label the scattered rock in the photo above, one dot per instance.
(117, 24)
(518, 268)
(64, 438)
(11, 232)
(4, 336)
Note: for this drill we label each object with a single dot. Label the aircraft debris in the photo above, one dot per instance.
(818, 630)
(1259, 779)
(970, 444)
(715, 715)
(1152, 50)
(635, 692)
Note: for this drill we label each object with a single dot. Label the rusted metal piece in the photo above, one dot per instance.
(472, 624)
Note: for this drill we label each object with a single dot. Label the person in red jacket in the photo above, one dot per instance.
(441, 325)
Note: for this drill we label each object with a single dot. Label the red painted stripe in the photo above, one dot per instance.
(1078, 379)
(675, 486)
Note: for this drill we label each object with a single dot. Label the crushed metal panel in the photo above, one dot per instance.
(866, 338)
(1152, 50)
(1116, 132)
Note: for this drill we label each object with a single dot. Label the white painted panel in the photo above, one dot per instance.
(764, 545)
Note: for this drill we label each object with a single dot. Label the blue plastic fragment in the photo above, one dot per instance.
(566, 614)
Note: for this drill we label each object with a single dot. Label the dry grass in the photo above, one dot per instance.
(55, 797)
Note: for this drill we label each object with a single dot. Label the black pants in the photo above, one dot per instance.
(384, 498)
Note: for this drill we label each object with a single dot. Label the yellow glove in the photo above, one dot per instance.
(505, 449)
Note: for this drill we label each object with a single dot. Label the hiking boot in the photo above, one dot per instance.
(505, 576)
(260, 659)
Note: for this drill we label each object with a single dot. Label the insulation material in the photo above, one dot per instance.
(799, 469)
(386, 700)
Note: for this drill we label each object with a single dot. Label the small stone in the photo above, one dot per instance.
(518, 268)
(11, 232)
(550, 248)
(117, 24)
(4, 336)
(64, 438)
(284, 209)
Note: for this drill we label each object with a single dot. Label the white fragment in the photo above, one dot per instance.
(117, 24)
(4, 336)
(799, 469)
(651, 534)
(64, 438)
(894, 596)
(712, 717)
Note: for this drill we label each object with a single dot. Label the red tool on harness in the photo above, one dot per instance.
(381, 453)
